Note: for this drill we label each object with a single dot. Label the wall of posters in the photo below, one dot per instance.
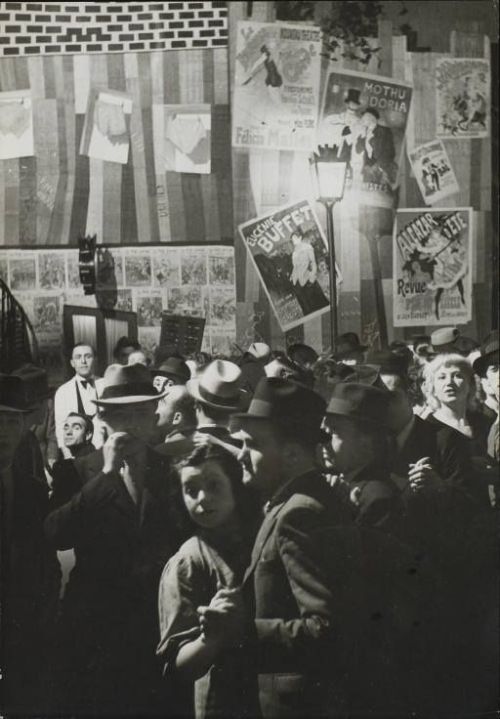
(149, 280)
(363, 118)
(463, 104)
(433, 171)
(290, 254)
(16, 124)
(432, 265)
(276, 86)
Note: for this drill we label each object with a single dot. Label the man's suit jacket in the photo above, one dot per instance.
(109, 609)
(299, 589)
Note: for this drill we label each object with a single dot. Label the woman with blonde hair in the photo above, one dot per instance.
(450, 391)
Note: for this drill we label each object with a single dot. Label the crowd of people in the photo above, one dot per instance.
(276, 534)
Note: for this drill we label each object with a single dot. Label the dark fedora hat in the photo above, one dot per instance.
(347, 344)
(127, 384)
(388, 362)
(301, 353)
(24, 388)
(173, 368)
(286, 403)
(359, 373)
(362, 402)
(489, 355)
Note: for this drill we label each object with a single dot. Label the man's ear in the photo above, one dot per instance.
(177, 418)
(72, 363)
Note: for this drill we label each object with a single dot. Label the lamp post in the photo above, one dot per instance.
(328, 179)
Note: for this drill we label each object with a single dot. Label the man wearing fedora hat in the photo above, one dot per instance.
(293, 609)
(172, 371)
(357, 420)
(393, 669)
(349, 350)
(30, 572)
(217, 394)
(121, 528)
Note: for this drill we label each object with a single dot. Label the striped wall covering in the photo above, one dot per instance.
(58, 194)
(264, 181)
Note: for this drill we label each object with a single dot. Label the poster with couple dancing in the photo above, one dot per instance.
(432, 267)
(433, 171)
(276, 86)
(290, 254)
(463, 104)
(363, 120)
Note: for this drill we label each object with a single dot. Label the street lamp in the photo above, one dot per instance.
(328, 179)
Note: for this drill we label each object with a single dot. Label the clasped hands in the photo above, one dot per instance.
(422, 476)
(223, 621)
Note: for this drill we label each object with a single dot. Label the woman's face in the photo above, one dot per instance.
(207, 494)
(450, 385)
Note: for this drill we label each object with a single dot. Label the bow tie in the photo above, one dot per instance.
(87, 383)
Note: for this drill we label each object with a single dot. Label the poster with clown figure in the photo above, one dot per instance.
(363, 121)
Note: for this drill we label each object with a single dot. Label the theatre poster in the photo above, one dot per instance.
(463, 98)
(433, 172)
(290, 253)
(432, 266)
(363, 120)
(276, 86)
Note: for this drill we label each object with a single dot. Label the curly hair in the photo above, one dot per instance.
(433, 367)
(246, 501)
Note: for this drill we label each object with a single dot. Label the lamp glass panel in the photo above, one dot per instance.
(331, 176)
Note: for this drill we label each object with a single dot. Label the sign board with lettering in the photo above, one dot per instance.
(290, 254)
(276, 86)
(183, 332)
(432, 266)
(364, 118)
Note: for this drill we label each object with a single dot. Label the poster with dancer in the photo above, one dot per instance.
(363, 121)
(16, 125)
(432, 267)
(433, 171)
(463, 100)
(106, 130)
(290, 254)
(276, 86)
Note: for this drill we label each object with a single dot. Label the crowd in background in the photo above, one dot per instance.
(277, 534)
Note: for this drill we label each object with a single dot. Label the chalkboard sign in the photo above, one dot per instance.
(183, 332)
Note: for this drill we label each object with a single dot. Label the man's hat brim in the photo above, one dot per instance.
(129, 399)
(480, 365)
(232, 404)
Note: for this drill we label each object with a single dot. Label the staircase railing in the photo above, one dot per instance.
(18, 343)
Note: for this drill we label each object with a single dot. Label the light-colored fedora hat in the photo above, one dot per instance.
(127, 384)
(218, 386)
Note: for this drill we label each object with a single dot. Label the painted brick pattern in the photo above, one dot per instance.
(28, 29)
